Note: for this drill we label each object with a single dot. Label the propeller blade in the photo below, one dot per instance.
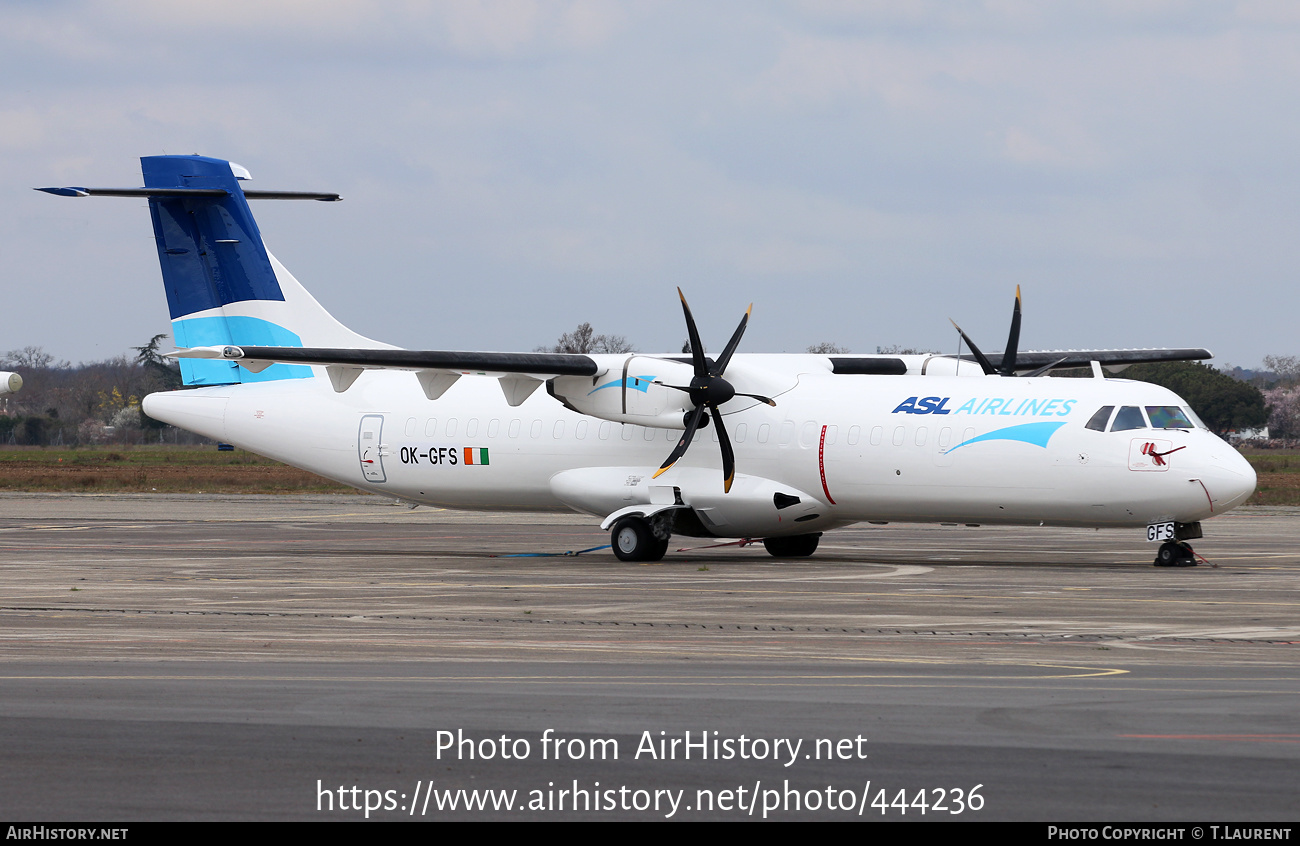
(680, 449)
(728, 456)
(985, 364)
(770, 402)
(725, 358)
(697, 348)
(1008, 367)
(1045, 368)
(709, 390)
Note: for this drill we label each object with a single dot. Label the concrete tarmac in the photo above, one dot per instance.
(265, 658)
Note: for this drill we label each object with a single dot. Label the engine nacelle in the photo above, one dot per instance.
(10, 382)
(629, 393)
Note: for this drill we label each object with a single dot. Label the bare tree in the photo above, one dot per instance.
(828, 348)
(33, 358)
(584, 340)
(896, 349)
(1285, 367)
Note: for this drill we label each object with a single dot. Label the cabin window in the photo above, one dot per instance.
(451, 427)
(1168, 417)
(945, 437)
(763, 432)
(558, 431)
(431, 428)
(471, 428)
(514, 428)
(648, 434)
(580, 431)
(627, 431)
(921, 432)
(1098, 421)
(494, 426)
(855, 434)
(808, 437)
(787, 432)
(832, 432)
(877, 435)
(603, 431)
(535, 431)
(410, 427)
(740, 433)
(900, 435)
(1129, 417)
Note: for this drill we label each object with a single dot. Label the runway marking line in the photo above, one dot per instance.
(1088, 672)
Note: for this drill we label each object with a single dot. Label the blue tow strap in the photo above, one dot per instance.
(568, 554)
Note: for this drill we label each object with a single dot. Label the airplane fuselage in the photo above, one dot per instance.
(966, 449)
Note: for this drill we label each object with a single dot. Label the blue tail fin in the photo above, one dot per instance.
(223, 287)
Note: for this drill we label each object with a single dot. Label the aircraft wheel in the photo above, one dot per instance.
(1175, 554)
(798, 546)
(633, 540)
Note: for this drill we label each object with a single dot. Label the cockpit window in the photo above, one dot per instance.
(1191, 415)
(1129, 417)
(1168, 417)
(1098, 421)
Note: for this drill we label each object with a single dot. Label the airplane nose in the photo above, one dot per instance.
(1228, 478)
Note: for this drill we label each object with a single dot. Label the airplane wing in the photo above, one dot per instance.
(1036, 362)
(540, 365)
(572, 364)
(437, 370)
(1061, 359)
(484, 363)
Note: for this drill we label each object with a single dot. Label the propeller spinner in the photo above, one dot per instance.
(708, 390)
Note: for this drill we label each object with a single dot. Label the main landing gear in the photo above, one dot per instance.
(637, 539)
(1175, 554)
(798, 546)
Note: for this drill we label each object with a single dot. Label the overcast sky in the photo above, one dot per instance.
(859, 171)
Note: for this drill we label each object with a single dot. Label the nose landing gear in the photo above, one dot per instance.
(1175, 554)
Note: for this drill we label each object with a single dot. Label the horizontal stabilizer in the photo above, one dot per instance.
(189, 192)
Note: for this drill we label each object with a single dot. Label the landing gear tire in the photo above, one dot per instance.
(634, 540)
(1175, 554)
(798, 546)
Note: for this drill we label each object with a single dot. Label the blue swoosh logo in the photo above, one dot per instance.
(1037, 434)
(636, 383)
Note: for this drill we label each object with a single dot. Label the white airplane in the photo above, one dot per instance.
(801, 443)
